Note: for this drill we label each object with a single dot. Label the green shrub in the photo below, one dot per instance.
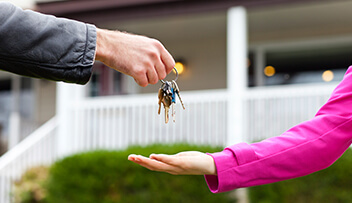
(330, 185)
(107, 177)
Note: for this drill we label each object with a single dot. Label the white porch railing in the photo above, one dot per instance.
(118, 122)
(270, 111)
(37, 149)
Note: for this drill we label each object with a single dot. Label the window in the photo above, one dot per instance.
(5, 85)
(105, 81)
(303, 65)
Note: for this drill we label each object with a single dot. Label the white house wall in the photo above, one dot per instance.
(28, 4)
(23, 3)
(45, 96)
(300, 21)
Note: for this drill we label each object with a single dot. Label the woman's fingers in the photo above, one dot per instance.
(182, 163)
(190, 153)
(152, 164)
(168, 159)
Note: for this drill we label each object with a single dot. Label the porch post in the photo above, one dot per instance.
(236, 74)
(66, 95)
(259, 63)
(15, 119)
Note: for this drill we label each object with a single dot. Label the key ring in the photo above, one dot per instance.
(162, 81)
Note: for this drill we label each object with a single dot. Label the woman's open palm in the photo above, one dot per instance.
(183, 163)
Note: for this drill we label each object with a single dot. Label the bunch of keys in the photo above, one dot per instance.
(167, 96)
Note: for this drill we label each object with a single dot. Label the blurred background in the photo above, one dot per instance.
(277, 72)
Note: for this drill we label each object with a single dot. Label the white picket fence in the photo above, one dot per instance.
(118, 122)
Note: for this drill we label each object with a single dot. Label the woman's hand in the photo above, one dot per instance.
(184, 163)
(143, 58)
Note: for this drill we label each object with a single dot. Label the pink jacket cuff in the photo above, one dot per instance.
(224, 162)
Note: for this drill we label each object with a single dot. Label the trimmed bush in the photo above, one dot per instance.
(107, 177)
(333, 184)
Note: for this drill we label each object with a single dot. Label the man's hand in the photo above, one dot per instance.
(184, 163)
(143, 58)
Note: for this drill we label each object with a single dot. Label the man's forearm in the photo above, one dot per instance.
(43, 46)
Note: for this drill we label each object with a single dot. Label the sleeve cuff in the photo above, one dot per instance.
(225, 161)
(89, 55)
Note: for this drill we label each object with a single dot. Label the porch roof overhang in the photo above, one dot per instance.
(103, 11)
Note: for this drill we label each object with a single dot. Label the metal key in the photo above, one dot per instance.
(173, 102)
(177, 90)
(167, 102)
(165, 97)
(168, 91)
(167, 88)
(161, 97)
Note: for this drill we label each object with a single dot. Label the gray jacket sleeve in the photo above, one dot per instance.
(43, 46)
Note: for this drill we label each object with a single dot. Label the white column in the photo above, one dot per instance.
(66, 95)
(15, 119)
(26, 4)
(236, 74)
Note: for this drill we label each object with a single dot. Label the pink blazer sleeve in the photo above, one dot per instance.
(306, 148)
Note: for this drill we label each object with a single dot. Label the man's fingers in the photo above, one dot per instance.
(142, 80)
(160, 69)
(168, 61)
(152, 76)
(143, 58)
